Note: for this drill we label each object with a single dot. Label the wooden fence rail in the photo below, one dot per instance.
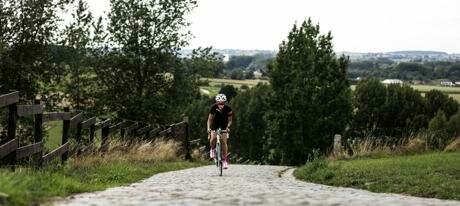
(11, 151)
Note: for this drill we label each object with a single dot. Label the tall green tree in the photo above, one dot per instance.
(248, 131)
(369, 98)
(77, 38)
(391, 110)
(28, 34)
(142, 76)
(403, 105)
(205, 63)
(240, 62)
(30, 30)
(311, 96)
(5, 13)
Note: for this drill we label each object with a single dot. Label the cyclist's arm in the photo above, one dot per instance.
(210, 117)
(229, 124)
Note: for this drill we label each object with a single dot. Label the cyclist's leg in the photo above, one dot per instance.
(212, 144)
(224, 145)
(213, 139)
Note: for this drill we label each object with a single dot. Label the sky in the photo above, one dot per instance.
(356, 25)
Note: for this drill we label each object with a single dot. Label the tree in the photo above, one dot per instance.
(412, 70)
(239, 62)
(311, 96)
(402, 105)
(77, 38)
(30, 28)
(237, 74)
(198, 111)
(205, 63)
(5, 13)
(28, 31)
(436, 100)
(142, 76)
(229, 91)
(248, 130)
(369, 98)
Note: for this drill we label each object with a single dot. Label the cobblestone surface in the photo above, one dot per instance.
(240, 185)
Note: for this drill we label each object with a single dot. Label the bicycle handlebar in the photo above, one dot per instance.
(221, 131)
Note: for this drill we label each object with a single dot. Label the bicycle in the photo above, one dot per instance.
(218, 158)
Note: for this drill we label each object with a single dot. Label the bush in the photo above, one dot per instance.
(436, 100)
(438, 126)
(237, 74)
(453, 125)
(229, 91)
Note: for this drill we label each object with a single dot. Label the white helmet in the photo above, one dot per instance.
(221, 98)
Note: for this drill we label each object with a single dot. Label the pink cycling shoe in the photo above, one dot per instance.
(225, 164)
(212, 153)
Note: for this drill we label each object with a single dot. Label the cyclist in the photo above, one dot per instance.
(220, 116)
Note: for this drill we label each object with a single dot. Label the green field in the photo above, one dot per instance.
(215, 84)
(435, 175)
(54, 135)
(236, 83)
(426, 88)
(210, 91)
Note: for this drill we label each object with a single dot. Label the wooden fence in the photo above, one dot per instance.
(11, 152)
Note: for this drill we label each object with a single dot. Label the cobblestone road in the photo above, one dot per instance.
(240, 185)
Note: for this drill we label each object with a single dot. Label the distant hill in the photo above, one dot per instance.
(399, 56)
(237, 52)
(402, 56)
(420, 53)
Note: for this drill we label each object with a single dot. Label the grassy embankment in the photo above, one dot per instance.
(215, 84)
(121, 165)
(431, 174)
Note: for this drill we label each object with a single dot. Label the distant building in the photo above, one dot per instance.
(392, 81)
(257, 74)
(457, 84)
(447, 83)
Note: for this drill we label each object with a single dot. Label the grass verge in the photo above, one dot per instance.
(93, 171)
(434, 175)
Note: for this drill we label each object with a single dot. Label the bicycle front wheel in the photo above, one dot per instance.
(220, 167)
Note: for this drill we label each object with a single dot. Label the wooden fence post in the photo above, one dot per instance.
(65, 135)
(186, 139)
(12, 124)
(79, 138)
(105, 130)
(38, 134)
(122, 133)
(38, 121)
(92, 130)
(173, 131)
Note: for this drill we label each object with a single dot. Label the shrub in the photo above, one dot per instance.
(453, 125)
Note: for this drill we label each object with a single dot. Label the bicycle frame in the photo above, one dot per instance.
(218, 158)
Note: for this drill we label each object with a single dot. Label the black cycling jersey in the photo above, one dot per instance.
(220, 119)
